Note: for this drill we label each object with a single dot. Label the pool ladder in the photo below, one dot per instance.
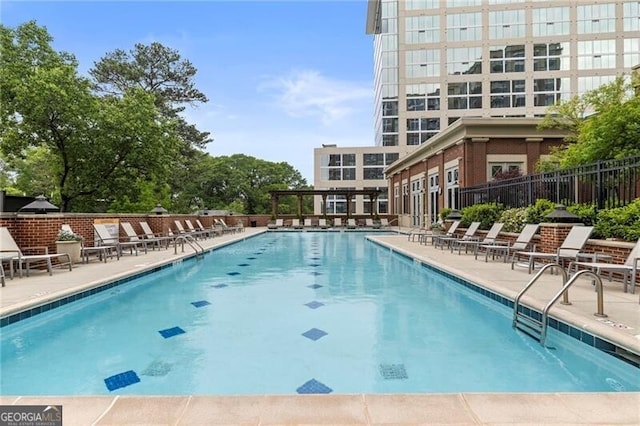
(185, 238)
(537, 328)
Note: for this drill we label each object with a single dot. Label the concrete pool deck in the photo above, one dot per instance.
(622, 327)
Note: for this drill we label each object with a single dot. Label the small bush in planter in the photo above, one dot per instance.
(65, 235)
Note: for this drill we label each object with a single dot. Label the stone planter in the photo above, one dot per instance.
(73, 248)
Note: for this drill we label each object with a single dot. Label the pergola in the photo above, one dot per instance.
(301, 193)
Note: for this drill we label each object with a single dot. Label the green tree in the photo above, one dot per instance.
(98, 145)
(611, 131)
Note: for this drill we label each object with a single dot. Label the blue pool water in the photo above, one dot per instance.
(294, 312)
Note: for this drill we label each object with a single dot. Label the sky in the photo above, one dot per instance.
(282, 77)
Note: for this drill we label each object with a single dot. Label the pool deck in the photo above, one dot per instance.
(622, 327)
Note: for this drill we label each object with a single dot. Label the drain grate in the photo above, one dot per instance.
(314, 334)
(314, 386)
(314, 286)
(121, 380)
(393, 371)
(200, 303)
(170, 332)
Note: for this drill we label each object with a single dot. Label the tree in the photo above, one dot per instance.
(98, 145)
(612, 131)
(160, 71)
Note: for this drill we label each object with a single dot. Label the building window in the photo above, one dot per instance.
(419, 130)
(405, 198)
(551, 56)
(551, 21)
(596, 18)
(390, 140)
(396, 200)
(453, 188)
(596, 54)
(631, 16)
(434, 193)
(498, 169)
(422, 29)
(463, 3)
(382, 205)
(506, 24)
(390, 125)
(586, 84)
(547, 91)
(507, 94)
(464, 60)
(390, 108)
(422, 4)
(421, 97)
(338, 167)
(631, 51)
(507, 58)
(464, 27)
(467, 95)
(422, 63)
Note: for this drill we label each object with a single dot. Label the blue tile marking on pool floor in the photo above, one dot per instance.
(393, 371)
(314, 334)
(219, 286)
(314, 304)
(233, 273)
(314, 386)
(200, 303)
(251, 258)
(121, 380)
(243, 264)
(316, 273)
(170, 332)
(314, 264)
(314, 286)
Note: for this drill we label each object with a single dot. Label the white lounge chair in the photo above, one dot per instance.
(371, 224)
(10, 251)
(279, 223)
(490, 238)
(351, 223)
(469, 235)
(436, 237)
(295, 224)
(384, 222)
(102, 252)
(150, 236)
(198, 233)
(568, 250)
(105, 238)
(504, 248)
(629, 269)
(337, 222)
(308, 223)
(322, 223)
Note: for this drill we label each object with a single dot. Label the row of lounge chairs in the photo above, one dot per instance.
(107, 244)
(326, 224)
(522, 251)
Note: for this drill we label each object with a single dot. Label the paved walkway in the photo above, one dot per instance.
(622, 327)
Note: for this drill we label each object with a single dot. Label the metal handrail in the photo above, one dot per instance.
(600, 307)
(516, 301)
(189, 240)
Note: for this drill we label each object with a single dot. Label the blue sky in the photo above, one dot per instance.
(282, 77)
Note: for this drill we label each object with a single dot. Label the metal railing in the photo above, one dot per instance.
(605, 184)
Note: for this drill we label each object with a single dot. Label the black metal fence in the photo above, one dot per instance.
(606, 184)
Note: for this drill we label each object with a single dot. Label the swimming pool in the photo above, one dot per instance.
(294, 312)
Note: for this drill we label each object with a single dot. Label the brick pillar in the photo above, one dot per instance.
(552, 235)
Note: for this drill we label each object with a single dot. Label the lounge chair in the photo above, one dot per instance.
(568, 250)
(371, 224)
(469, 235)
(308, 223)
(14, 254)
(159, 240)
(322, 223)
(295, 224)
(504, 248)
(210, 232)
(384, 222)
(629, 269)
(337, 222)
(490, 238)
(351, 223)
(279, 223)
(181, 229)
(105, 238)
(204, 233)
(436, 237)
(132, 236)
(102, 252)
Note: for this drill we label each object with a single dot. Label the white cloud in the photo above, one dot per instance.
(309, 94)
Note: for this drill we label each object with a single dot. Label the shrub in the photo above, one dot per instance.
(537, 212)
(513, 219)
(621, 222)
(486, 214)
(587, 213)
(65, 235)
(445, 212)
